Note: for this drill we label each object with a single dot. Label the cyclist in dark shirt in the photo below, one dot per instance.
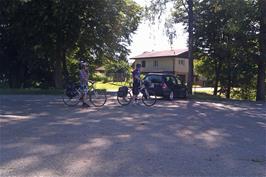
(84, 75)
(136, 81)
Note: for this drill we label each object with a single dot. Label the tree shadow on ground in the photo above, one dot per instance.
(40, 136)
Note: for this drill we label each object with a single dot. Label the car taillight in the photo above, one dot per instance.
(164, 86)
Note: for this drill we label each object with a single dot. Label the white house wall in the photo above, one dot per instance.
(181, 68)
(164, 65)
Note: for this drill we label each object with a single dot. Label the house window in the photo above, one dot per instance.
(155, 64)
(143, 64)
(181, 62)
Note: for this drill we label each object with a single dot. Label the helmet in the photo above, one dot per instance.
(83, 64)
(138, 66)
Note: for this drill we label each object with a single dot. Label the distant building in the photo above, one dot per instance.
(168, 61)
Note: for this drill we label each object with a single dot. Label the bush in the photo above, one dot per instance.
(244, 94)
(99, 77)
(118, 70)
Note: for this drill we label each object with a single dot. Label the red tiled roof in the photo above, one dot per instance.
(165, 53)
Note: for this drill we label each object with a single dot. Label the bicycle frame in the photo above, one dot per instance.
(97, 98)
(146, 96)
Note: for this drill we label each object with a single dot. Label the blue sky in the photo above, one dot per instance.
(148, 38)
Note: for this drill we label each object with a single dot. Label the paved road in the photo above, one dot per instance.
(42, 137)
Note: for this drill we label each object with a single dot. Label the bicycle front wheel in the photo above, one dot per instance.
(125, 100)
(98, 97)
(71, 100)
(149, 99)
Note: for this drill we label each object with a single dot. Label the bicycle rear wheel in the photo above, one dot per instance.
(73, 100)
(125, 100)
(149, 99)
(98, 97)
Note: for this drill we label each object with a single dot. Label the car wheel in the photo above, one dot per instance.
(171, 96)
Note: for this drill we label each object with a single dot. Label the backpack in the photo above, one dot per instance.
(122, 91)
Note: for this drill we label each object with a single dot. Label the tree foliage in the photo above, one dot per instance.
(119, 70)
(226, 34)
(183, 12)
(229, 42)
(41, 42)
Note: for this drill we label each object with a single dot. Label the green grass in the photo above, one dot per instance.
(110, 86)
(30, 91)
(198, 93)
(206, 93)
(207, 90)
(205, 96)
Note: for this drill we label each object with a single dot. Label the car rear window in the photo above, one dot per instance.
(154, 79)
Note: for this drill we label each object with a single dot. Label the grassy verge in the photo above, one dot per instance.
(198, 93)
(207, 93)
(31, 91)
(110, 86)
(205, 96)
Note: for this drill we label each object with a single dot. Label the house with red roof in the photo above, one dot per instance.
(168, 61)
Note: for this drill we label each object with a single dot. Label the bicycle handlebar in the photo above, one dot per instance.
(91, 81)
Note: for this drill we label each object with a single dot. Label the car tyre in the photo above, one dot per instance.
(185, 94)
(171, 96)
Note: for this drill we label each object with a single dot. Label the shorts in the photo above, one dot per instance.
(135, 89)
(84, 88)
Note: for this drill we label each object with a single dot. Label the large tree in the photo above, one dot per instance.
(38, 38)
(183, 13)
(226, 40)
(262, 57)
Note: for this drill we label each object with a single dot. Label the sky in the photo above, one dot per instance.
(152, 37)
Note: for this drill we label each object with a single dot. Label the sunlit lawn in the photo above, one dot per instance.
(198, 92)
(207, 90)
(113, 86)
(33, 91)
(110, 86)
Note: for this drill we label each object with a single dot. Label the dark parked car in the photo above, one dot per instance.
(167, 85)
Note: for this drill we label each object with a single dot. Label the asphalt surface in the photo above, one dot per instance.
(40, 136)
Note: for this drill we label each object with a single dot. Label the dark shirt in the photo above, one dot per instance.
(83, 74)
(135, 75)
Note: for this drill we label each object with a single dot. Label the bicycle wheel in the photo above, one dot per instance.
(71, 100)
(149, 99)
(98, 97)
(124, 100)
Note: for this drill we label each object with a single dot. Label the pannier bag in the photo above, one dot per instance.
(122, 91)
(71, 91)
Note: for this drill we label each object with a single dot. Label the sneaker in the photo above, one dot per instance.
(85, 105)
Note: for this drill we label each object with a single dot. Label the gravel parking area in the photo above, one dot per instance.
(40, 136)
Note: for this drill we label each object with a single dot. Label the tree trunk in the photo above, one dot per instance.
(65, 71)
(217, 77)
(229, 81)
(190, 46)
(58, 73)
(17, 76)
(12, 80)
(260, 95)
